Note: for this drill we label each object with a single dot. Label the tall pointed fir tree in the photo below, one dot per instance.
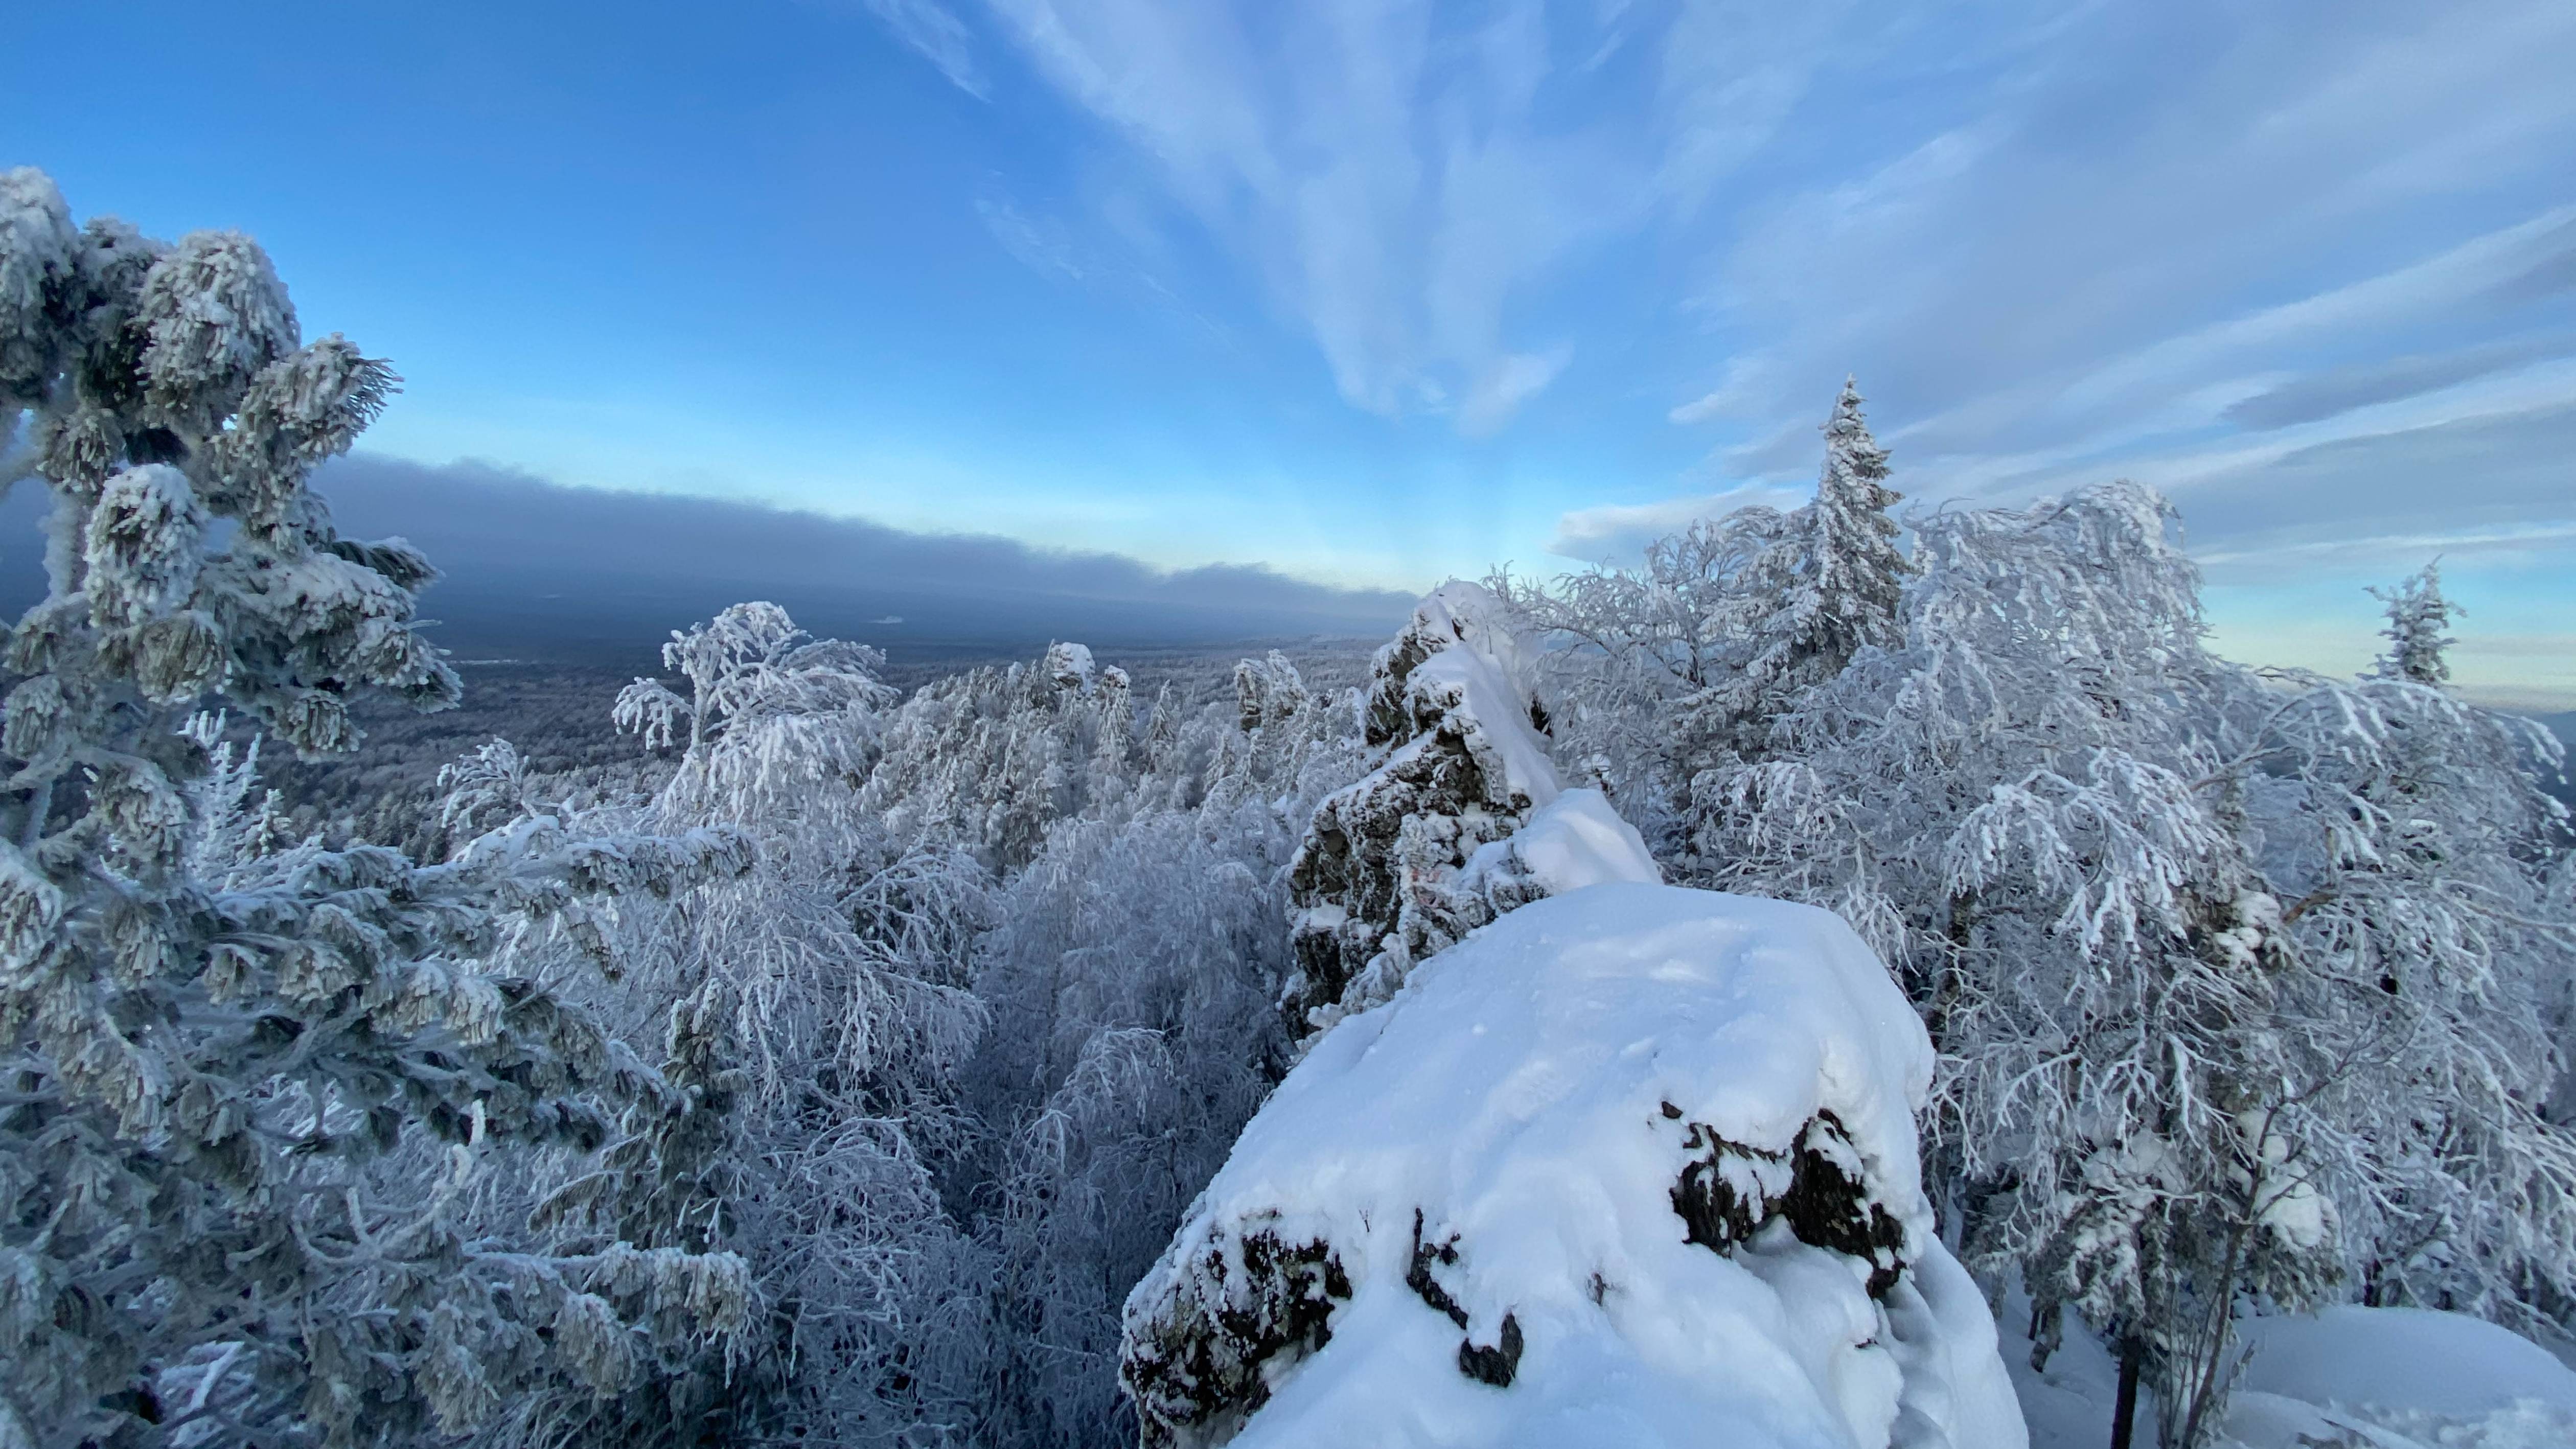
(1855, 570)
(1824, 583)
(1685, 665)
(246, 1094)
(2417, 615)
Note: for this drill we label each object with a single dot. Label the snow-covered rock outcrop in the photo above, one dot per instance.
(1633, 1165)
(1464, 817)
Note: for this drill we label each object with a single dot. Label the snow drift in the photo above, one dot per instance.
(1633, 1165)
(2346, 1376)
(2399, 1378)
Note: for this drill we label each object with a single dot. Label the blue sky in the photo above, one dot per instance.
(1375, 293)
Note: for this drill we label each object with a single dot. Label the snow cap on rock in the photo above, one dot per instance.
(1639, 1169)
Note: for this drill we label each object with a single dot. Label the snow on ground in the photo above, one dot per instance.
(2345, 1378)
(1631, 1166)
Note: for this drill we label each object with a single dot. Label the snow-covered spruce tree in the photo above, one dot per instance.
(245, 1093)
(1669, 670)
(1828, 579)
(2417, 615)
(1429, 845)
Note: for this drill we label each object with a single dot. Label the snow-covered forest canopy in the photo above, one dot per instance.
(1866, 977)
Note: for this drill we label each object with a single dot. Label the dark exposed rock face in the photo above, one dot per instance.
(1377, 853)
(1200, 1369)
(1728, 1192)
(1488, 1364)
(1494, 1365)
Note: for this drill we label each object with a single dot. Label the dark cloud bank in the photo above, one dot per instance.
(539, 571)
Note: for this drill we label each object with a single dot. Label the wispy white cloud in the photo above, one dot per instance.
(1619, 533)
(939, 36)
(1399, 181)
(1508, 381)
(2216, 252)
(2192, 378)
(2308, 397)
(1736, 392)
(1040, 244)
(2293, 263)
(2397, 550)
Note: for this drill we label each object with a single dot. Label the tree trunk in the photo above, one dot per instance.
(2124, 1408)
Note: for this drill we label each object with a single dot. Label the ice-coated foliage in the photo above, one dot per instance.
(1133, 974)
(1131, 977)
(966, 1038)
(2426, 877)
(2247, 990)
(2243, 978)
(1638, 1168)
(770, 715)
(252, 1089)
(984, 761)
(1637, 655)
(815, 1014)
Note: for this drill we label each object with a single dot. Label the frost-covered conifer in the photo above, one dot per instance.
(1823, 584)
(250, 1090)
(1668, 670)
(2417, 615)
(1846, 585)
